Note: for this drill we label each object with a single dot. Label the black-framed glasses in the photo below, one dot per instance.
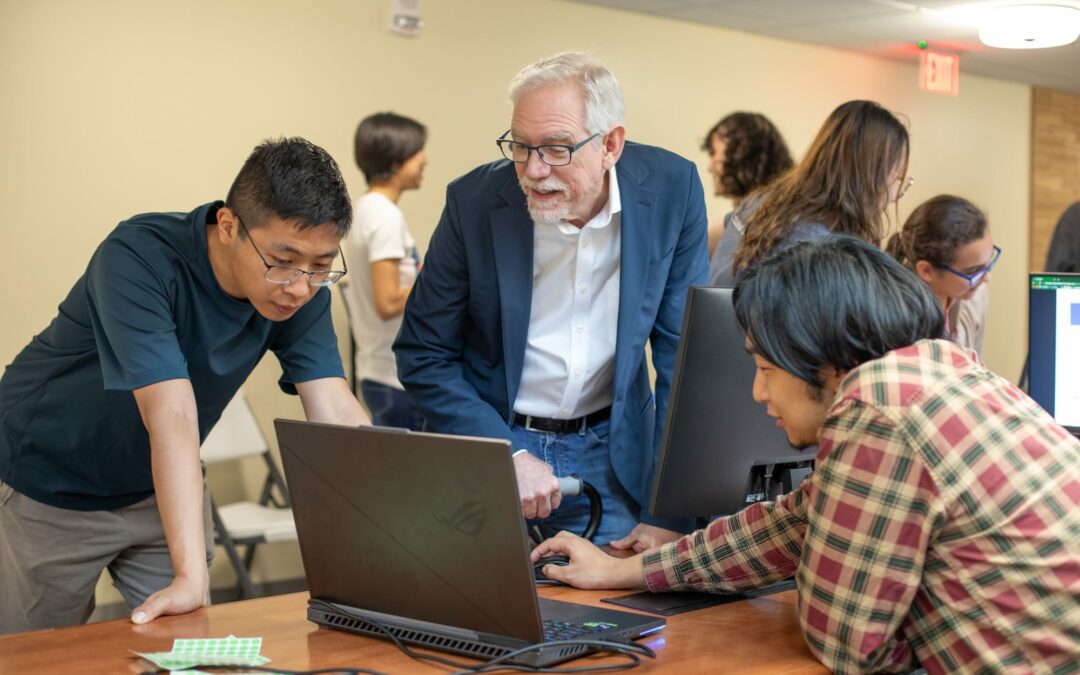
(976, 277)
(552, 154)
(283, 276)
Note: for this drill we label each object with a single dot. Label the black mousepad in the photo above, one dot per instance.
(669, 604)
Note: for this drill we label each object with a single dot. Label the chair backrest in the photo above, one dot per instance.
(236, 434)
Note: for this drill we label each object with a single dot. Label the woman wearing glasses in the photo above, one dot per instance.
(947, 242)
(855, 168)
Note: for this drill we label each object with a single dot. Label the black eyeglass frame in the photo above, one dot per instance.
(976, 277)
(506, 146)
(331, 276)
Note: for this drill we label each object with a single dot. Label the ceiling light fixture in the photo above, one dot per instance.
(1029, 26)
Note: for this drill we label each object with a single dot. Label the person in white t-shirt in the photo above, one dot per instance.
(390, 153)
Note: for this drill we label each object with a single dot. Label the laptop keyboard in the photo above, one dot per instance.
(568, 630)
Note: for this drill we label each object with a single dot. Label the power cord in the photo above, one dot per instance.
(633, 652)
(571, 486)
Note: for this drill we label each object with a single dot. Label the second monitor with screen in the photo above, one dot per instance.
(717, 441)
(1054, 346)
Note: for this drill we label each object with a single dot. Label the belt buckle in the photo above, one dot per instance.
(529, 426)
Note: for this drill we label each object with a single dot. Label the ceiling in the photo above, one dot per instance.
(887, 28)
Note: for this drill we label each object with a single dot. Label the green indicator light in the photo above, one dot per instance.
(922, 44)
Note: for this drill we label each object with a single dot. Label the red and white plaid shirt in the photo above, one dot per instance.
(941, 527)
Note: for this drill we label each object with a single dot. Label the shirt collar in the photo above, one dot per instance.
(612, 206)
(926, 355)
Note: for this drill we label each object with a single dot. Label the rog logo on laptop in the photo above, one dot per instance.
(468, 519)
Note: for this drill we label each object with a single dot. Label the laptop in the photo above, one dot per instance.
(422, 534)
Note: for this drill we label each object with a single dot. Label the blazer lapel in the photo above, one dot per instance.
(512, 242)
(637, 218)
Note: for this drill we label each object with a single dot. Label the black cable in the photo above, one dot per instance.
(628, 649)
(596, 514)
(596, 511)
(632, 652)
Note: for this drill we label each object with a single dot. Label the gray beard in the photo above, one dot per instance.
(550, 217)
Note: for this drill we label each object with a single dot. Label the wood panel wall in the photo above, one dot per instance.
(1055, 165)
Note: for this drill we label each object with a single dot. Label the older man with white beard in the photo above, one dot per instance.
(546, 276)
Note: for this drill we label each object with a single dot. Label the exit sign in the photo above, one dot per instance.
(939, 73)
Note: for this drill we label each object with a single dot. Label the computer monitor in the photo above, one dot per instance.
(1054, 346)
(718, 443)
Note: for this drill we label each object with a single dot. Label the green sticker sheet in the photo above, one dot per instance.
(230, 651)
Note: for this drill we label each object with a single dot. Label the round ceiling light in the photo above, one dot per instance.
(1030, 26)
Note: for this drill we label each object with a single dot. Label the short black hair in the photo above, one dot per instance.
(294, 180)
(384, 141)
(755, 153)
(833, 302)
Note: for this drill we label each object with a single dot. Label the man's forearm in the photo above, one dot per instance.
(753, 548)
(174, 453)
(179, 486)
(329, 400)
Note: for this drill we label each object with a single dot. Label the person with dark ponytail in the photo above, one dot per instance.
(946, 242)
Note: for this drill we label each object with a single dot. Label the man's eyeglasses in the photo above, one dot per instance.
(552, 154)
(976, 277)
(283, 276)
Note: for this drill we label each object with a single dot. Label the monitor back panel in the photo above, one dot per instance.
(415, 525)
(714, 432)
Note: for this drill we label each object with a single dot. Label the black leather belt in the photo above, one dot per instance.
(554, 426)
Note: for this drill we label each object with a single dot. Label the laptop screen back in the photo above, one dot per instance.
(1054, 346)
(421, 526)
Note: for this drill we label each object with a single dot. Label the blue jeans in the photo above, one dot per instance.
(585, 454)
(390, 407)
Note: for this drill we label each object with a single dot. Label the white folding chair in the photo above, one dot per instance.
(237, 436)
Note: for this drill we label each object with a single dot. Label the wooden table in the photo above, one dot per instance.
(750, 636)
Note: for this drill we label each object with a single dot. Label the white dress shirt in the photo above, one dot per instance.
(569, 365)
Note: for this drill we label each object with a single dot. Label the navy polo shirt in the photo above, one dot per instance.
(148, 309)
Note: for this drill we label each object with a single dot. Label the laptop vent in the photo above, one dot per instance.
(565, 652)
(357, 625)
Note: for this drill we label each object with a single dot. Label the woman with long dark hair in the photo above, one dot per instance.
(855, 168)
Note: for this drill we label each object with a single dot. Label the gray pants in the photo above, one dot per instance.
(52, 558)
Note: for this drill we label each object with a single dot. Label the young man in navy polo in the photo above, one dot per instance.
(103, 413)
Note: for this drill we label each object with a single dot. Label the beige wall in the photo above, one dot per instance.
(115, 107)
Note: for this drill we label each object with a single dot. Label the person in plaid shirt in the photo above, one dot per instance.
(941, 526)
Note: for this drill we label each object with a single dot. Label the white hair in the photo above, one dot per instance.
(604, 104)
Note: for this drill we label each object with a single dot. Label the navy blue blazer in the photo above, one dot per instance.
(462, 340)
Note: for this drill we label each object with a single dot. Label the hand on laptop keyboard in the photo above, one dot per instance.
(588, 566)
